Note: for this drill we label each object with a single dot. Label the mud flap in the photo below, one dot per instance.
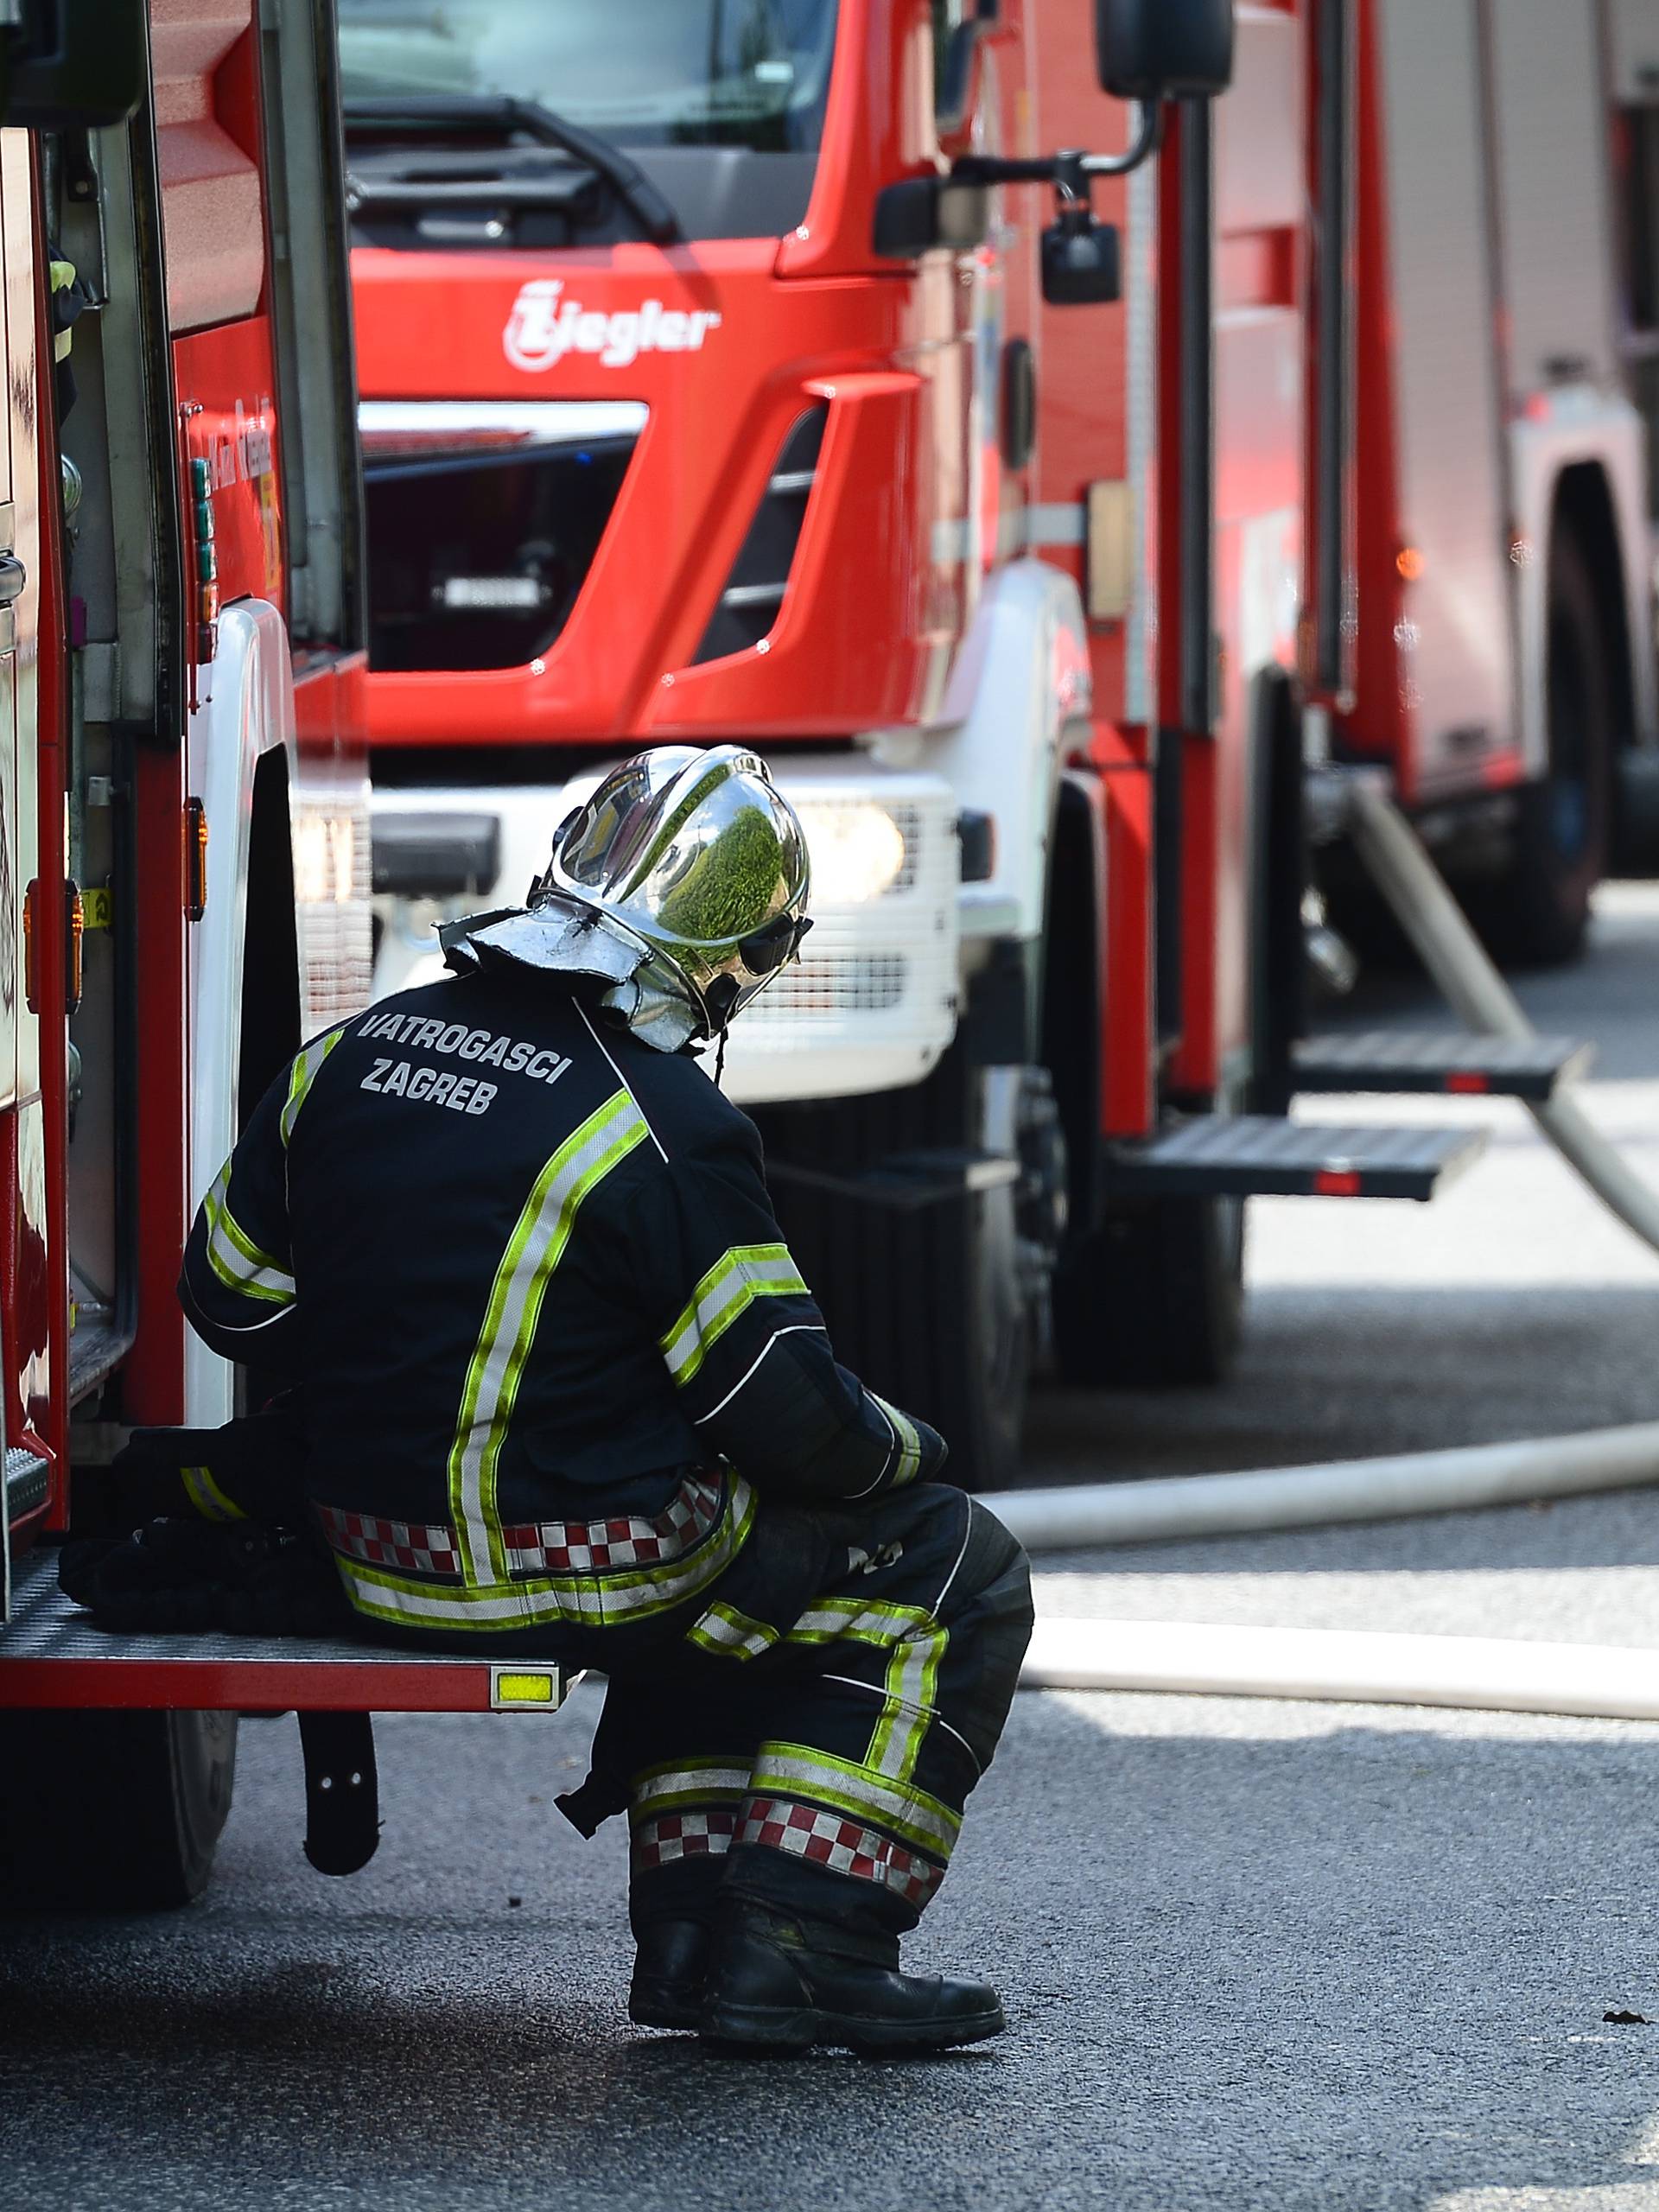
(342, 1800)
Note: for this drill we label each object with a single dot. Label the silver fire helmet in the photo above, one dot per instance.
(682, 882)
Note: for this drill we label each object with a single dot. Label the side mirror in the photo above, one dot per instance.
(74, 65)
(920, 213)
(1081, 261)
(1164, 49)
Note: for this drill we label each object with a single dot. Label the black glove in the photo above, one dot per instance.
(145, 1473)
(241, 1578)
(256, 1464)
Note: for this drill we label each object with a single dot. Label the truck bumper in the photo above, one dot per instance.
(871, 1005)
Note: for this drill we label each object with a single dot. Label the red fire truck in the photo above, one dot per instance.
(183, 846)
(1491, 381)
(738, 432)
(754, 373)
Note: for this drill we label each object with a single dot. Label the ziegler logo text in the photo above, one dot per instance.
(544, 326)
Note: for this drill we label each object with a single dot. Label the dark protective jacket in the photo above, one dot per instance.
(525, 1275)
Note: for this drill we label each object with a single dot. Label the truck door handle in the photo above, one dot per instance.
(13, 577)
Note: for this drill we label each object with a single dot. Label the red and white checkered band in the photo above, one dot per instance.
(683, 1835)
(842, 1846)
(544, 1548)
(419, 1548)
(594, 1546)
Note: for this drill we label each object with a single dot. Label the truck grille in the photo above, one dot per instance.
(483, 521)
(754, 591)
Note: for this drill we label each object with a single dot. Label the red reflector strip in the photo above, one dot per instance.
(1469, 1082)
(1335, 1183)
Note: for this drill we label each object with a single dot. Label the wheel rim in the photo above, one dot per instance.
(1003, 1338)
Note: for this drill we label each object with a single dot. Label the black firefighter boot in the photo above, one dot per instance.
(671, 1968)
(672, 1912)
(782, 1982)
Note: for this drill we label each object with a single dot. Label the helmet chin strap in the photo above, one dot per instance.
(719, 999)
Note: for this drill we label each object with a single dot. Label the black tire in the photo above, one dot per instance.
(924, 1304)
(1154, 1298)
(112, 1812)
(1536, 916)
(955, 1344)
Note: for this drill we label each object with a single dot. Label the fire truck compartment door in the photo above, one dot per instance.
(1555, 224)
(249, 711)
(1456, 654)
(25, 1323)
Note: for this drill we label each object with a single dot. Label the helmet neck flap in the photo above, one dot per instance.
(562, 935)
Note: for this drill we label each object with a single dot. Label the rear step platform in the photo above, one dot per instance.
(1249, 1155)
(1532, 1068)
(51, 1654)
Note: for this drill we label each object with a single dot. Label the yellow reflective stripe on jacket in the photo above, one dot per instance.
(534, 1250)
(906, 1443)
(575, 1600)
(62, 277)
(307, 1065)
(726, 1631)
(205, 1494)
(736, 1280)
(234, 1257)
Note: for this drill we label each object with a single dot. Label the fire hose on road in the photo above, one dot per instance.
(1480, 1672)
(1456, 959)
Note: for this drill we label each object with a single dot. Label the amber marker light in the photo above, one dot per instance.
(195, 859)
(76, 932)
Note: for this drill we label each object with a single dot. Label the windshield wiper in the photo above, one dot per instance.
(394, 112)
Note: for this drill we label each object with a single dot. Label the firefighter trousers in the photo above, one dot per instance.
(813, 1747)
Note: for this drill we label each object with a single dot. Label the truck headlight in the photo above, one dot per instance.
(858, 850)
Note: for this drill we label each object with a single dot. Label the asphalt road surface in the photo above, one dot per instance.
(1255, 1955)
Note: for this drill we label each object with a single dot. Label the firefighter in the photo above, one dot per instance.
(559, 1389)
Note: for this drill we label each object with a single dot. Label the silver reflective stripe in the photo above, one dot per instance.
(907, 1445)
(690, 1783)
(906, 1812)
(873, 1620)
(584, 1600)
(731, 1286)
(724, 1629)
(235, 1258)
(533, 1252)
(912, 1700)
(916, 1644)
(205, 1494)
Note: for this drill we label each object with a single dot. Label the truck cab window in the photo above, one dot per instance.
(720, 102)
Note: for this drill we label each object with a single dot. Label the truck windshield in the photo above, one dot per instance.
(745, 73)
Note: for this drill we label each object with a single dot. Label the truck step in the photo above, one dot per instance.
(1532, 1068)
(51, 1654)
(1249, 1155)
